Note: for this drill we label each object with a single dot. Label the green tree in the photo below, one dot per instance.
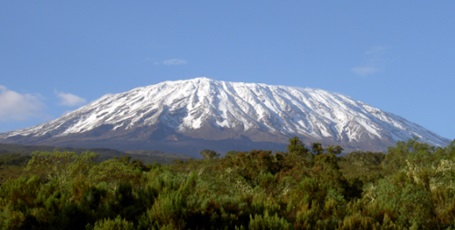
(209, 154)
(334, 149)
(317, 148)
(297, 147)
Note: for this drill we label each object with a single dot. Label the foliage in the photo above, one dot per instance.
(209, 154)
(411, 186)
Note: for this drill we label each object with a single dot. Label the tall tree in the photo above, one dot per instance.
(296, 146)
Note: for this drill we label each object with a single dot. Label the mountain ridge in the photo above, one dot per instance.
(202, 109)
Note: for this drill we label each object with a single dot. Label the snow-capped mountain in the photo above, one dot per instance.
(183, 115)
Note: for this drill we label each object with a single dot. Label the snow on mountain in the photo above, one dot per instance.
(207, 109)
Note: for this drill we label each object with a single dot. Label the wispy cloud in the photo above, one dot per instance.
(365, 70)
(15, 106)
(172, 61)
(68, 99)
(374, 59)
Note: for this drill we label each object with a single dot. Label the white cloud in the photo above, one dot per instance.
(173, 61)
(373, 63)
(365, 70)
(68, 99)
(15, 106)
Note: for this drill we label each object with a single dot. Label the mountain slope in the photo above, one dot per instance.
(204, 111)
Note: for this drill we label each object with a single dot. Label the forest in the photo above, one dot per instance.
(411, 186)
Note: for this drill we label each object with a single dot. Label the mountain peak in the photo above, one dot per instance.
(201, 109)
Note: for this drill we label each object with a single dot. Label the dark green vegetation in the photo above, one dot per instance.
(146, 156)
(411, 186)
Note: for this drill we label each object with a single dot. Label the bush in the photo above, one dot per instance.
(266, 221)
(116, 224)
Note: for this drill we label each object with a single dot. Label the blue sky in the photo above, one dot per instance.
(399, 56)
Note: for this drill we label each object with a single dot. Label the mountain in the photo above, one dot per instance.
(189, 115)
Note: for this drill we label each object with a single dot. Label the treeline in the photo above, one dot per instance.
(412, 186)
